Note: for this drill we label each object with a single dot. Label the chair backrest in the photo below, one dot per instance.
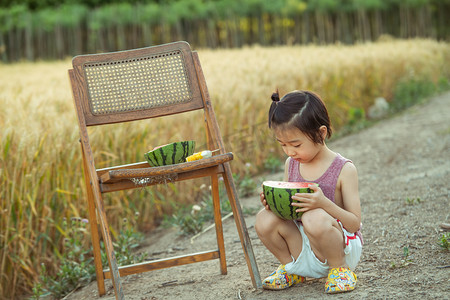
(136, 84)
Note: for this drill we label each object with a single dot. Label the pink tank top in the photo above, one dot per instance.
(327, 182)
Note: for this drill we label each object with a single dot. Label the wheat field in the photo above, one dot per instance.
(40, 164)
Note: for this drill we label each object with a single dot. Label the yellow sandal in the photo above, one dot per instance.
(340, 280)
(280, 279)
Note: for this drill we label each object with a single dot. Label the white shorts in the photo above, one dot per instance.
(308, 265)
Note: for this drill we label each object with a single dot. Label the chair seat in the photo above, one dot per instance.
(142, 174)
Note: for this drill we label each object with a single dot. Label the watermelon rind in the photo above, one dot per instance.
(279, 197)
(173, 153)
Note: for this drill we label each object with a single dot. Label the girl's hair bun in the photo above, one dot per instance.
(276, 96)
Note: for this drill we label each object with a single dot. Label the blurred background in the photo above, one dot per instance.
(50, 29)
(368, 59)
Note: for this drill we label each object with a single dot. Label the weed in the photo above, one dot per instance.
(443, 84)
(38, 289)
(185, 220)
(356, 115)
(412, 201)
(272, 163)
(206, 211)
(356, 122)
(76, 267)
(405, 261)
(444, 241)
(246, 185)
(127, 240)
(75, 264)
(190, 219)
(411, 91)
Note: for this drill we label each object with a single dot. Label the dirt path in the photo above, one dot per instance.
(404, 170)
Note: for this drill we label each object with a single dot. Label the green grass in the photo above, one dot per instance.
(412, 201)
(75, 263)
(405, 260)
(444, 241)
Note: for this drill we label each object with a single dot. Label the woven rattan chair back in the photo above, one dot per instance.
(138, 84)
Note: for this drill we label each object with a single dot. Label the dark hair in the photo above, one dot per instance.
(303, 110)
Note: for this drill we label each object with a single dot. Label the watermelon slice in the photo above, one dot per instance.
(279, 194)
(170, 154)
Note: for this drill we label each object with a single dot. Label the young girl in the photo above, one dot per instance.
(326, 241)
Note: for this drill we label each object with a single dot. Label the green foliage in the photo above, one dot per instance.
(71, 15)
(76, 267)
(356, 122)
(443, 84)
(356, 115)
(245, 184)
(414, 3)
(11, 18)
(190, 219)
(411, 91)
(444, 241)
(412, 201)
(125, 244)
(407, 92)
(293, 7)
(188, 10)
(322, 6)
(369, 5)
(41, 4)
(186, 219)
(273, 164)
(149, 13)
(405, 261)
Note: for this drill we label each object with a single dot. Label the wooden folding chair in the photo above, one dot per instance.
(139, 84)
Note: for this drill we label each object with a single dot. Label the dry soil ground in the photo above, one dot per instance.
(404, 170)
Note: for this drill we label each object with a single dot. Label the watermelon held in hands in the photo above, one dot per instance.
(279, 194)
(170, 154)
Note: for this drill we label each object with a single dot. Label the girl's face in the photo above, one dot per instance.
(296, 144)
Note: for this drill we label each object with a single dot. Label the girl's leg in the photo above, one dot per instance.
(281, 237)
(325, 236)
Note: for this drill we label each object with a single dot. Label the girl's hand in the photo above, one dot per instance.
(308, 201)
(263, 201)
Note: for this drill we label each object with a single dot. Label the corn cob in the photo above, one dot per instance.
(200, 155)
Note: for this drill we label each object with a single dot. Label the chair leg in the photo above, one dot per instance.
(95, 201)
(218, 221)
(94, 235)
(109, 248)
(96, 247)
(241, 227)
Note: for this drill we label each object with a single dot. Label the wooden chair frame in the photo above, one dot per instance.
(89, 84)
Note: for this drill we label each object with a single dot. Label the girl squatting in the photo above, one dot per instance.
(326, 241)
